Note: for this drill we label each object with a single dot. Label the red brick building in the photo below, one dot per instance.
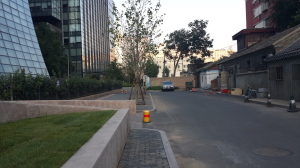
(258, 26)
(257, 14)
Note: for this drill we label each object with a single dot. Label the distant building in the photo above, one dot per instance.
(217, 54)
(258, 26)
(258, 13)
(84, 27)
(18, 42)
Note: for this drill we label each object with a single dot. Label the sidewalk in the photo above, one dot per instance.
(144, 148)
(263, 101)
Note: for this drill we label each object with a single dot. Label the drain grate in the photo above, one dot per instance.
(272, 152)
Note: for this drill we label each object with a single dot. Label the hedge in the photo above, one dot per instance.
(19, 86)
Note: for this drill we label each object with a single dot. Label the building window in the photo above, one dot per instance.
(263, 58)
(248, 64)
(296, 72)
(279, 73)
(276, 73)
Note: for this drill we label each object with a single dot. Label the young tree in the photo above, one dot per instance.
(52, 50)
(152, 69)
(134, 31)
(184, 43)
(285, 13)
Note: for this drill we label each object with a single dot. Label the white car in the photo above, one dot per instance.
(167, 85)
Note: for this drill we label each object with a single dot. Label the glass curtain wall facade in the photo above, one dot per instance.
(86, 36)
(18, 42)
(45, 8)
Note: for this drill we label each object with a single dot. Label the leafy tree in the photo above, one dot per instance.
(285, 13)
(114, 71)
(166, 72)
(134, 31)
(184, 43)
(152, 69)
(52, 50)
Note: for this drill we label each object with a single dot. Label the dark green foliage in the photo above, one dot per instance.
(154, 88)
(52, 50)
(185, 43)
(198, 62)
(114, 71)
(127, 85)
(166, 72)
(20, 86)
(151, 69)
(129, 74)
(285, 13)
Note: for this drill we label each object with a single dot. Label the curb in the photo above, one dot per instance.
(258, 102)
(154, 107)
(169, 152)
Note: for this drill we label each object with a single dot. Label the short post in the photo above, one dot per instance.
(269, 103)
(146, 116)
(246, 100)
(292, 106)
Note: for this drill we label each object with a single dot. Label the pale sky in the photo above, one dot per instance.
(225, 18)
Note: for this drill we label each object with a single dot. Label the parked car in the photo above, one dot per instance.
(167, 85)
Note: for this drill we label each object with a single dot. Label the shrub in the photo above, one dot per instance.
(20, 86)
(154, 88)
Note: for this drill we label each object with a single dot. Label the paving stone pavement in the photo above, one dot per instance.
(144, 149)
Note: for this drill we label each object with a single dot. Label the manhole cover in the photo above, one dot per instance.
(272, 152)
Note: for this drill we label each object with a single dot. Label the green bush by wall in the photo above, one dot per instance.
(20, 86)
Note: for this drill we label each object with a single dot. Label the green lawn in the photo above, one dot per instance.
(47, 141)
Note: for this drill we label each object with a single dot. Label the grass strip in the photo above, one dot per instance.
(47, 141)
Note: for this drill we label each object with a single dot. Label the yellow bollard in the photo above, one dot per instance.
(146, 116)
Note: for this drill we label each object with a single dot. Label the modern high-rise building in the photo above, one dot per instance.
(84, 27)
(19, 48)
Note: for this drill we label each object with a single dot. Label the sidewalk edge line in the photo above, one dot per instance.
(154, 107)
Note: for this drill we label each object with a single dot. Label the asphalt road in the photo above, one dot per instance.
(221, 131)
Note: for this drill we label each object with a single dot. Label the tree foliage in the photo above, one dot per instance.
(114, 71)
(151, 69)
(184, 43)
(285, 13)
(166, 72)
(134, 32)
(52, 50)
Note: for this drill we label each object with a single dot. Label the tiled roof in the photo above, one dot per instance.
(260, 45)
(209, 65)
(292, 51)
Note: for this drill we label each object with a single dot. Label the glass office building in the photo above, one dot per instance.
(84, 28)
(85, 34)
(19, 48)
